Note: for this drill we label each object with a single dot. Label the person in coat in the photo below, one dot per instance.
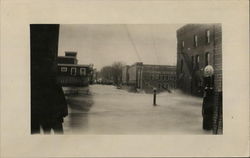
(207, 107)
(48, 103)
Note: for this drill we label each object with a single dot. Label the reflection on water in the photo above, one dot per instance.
(82, 103)
(78, 121)
(107, 110)
(79, 104)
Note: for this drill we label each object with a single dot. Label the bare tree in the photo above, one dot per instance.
(117, 72)
(106, 74)
(112, 73)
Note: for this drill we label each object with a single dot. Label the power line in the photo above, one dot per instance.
(132, 42)
(154, 44)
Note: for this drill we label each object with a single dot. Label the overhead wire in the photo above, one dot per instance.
(155, 48)
(133, 43)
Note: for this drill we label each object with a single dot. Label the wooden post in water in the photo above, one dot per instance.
(154, 102)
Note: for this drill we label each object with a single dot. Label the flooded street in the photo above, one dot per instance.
(108, 110)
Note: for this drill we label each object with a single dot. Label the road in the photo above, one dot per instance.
(107, 110)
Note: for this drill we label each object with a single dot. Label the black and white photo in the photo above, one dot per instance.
(126, 79)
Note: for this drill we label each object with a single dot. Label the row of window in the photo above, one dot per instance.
(162, 77)
(73, 70)
(196, 61)
(195, 39)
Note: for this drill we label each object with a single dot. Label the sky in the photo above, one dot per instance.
(102, 45)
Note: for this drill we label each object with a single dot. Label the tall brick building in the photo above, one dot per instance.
(199, 45)
(147, 77)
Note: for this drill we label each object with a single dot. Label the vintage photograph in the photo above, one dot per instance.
(116, 79)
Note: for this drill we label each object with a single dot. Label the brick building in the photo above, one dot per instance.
(199, 45)
(147, 77)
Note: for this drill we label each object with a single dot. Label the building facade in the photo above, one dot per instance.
(72, 74)
(69, 58)
(147, 77)
(199, 45)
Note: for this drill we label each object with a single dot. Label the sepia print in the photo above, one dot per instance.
(126, 79)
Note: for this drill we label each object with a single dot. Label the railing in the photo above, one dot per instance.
(72, 81)
(151, 86)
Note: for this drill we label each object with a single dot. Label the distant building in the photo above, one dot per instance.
(95, 75)
(147, 77)
(125, 75)
(72, 74)
(91, 74)
(65, 59)
(69, 58)
(199, 45)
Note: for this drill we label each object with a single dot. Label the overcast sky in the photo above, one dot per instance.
(101, 45)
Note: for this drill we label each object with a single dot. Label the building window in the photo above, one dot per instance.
(207, 59)
(82, 71)
(193, 62)
(208, 36)
(195, 41)
(63, 69)
(73, 71)
(181, 65)
(182, 44)
(197, 62)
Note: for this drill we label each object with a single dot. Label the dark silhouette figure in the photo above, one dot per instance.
(48, 104)
(207, 107)
(48, 108)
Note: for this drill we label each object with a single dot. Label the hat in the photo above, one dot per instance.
(208, 71)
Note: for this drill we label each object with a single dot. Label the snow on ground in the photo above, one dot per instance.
(107, 110)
